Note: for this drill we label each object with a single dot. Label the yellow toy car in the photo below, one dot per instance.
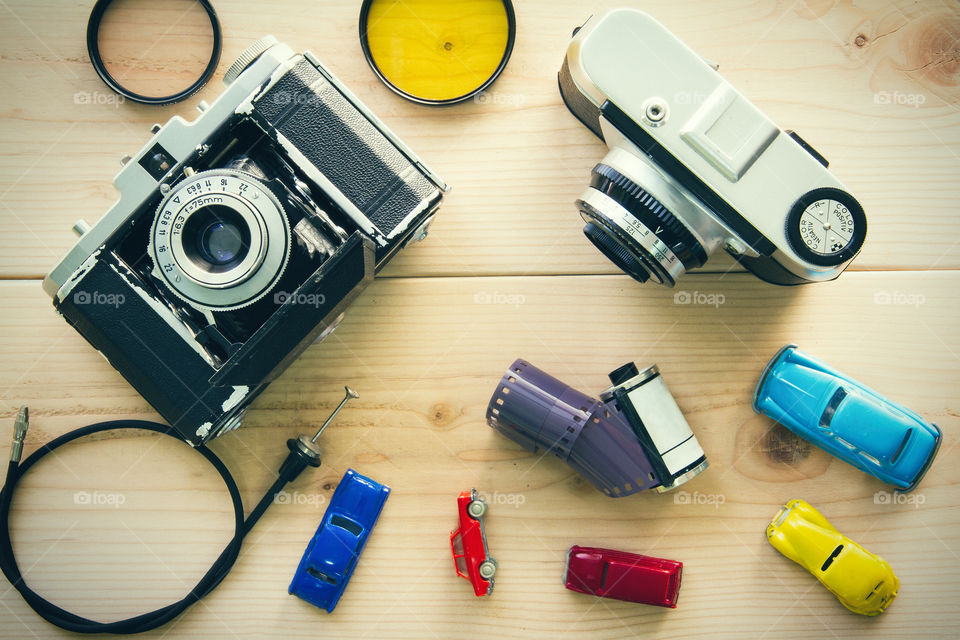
(863, 582)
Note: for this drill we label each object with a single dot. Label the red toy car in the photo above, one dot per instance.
(469, 544)
(623, 576)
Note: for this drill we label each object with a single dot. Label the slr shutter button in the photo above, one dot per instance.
(655, 111)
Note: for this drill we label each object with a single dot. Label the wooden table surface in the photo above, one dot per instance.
(505, 272)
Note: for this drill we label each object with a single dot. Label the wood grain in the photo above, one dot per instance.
(424, 354)
(124, 523)
(873, 86)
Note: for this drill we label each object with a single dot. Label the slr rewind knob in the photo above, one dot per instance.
(248, 57)
(826, 227)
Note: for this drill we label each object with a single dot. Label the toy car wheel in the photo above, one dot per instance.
(487, 569)
(477, 508)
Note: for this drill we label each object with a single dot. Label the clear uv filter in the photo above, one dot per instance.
(437, 51)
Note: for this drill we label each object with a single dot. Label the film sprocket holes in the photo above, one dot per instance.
(693, 166)
(240, 238)
(633, 438)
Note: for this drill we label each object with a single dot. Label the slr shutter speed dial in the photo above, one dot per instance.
(826, 226)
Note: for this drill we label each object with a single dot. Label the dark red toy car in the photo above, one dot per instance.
(469, 544)
(624, 576)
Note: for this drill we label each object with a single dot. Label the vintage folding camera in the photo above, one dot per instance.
(694, 166)
(240, 238)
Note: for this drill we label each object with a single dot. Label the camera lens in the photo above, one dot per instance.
(220, 243)
(616, 252)
(222, 238)
(642, 233)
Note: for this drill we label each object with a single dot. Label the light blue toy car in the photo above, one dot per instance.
(332, 554)
(847, 419)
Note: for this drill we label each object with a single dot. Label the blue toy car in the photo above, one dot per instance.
(332, 554)
(847, 419)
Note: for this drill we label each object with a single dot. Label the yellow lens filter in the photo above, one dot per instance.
(437, 51)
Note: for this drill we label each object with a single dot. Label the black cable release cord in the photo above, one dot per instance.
(301, 455)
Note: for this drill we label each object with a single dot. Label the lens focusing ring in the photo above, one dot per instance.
(635, 199)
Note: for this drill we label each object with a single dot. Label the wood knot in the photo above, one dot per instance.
(861, 40)
(783, 446)
(933, 49)
(441, 415)
(579, 484)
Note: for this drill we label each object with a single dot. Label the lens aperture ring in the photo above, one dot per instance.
(651, 212)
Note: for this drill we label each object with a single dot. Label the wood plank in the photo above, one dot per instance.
(424, 355)
(873, 86)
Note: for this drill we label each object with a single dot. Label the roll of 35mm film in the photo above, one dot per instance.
(437, 52)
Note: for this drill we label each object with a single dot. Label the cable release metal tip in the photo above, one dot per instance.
(20, 426)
